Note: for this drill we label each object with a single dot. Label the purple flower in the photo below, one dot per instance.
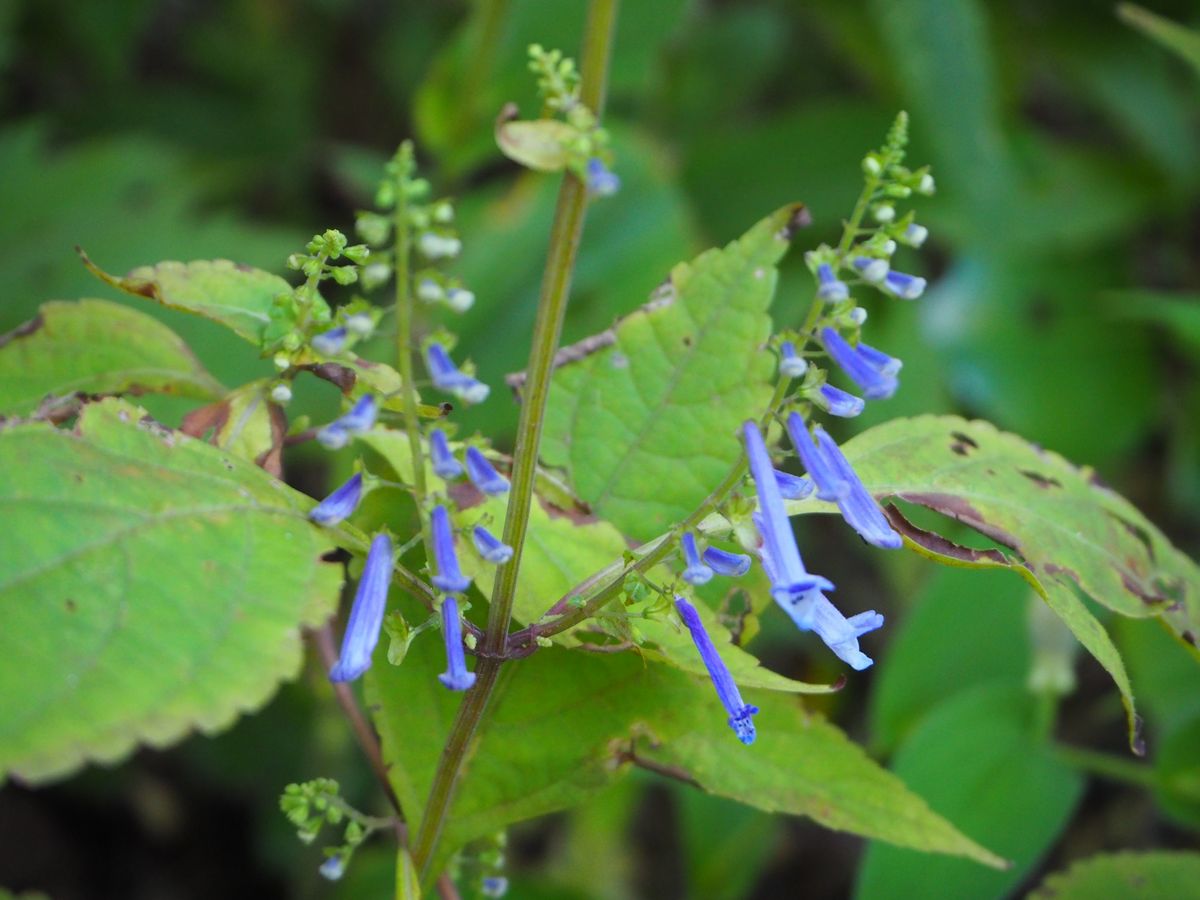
(906, 287)
(792, 487)
(791, 365)
(447, 377)
(857, 506)
(334, 867)
(490, 547)
(837, 402)
(444, 463)
(366, 615)
(739, 711)
(449, 577)
(697, 572)
(874, 372)
(483, 474)
(787, 573)
(359, 419)
(812, 611)
(330, 342)
(831, 288)
(340, 504)
(731, 565)
(456, 677)
(871, 269)
(601, 182)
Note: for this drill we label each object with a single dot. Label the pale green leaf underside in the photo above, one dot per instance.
(237, 296)
(149, 584)
(647, 426)
(1125, 876)
(95, 347)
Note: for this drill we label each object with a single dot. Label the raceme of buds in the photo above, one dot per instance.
(444, 463)
(697, 572)
(483, 474)
(340, 504)
(731, 565)
(449, 577)
(447, 377)
(791, 364)
(366, 614)
(490, 547)
(873, 371)
(359, 419)
(456, 677)
(830, 287)
(739, 711)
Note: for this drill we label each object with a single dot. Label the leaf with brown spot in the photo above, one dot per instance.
(246, 423)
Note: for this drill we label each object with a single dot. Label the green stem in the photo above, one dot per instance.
(404, 361)
(1106, 766)
(860, 209)
(564, 244)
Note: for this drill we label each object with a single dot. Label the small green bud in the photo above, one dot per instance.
(470, 640)
(898, 190)
(443, 212)
(344, 274)
(543, 641)
(357, 253)
(385, 198)
(926, 185)
(292, 341)
(375, 274)
(373, 228)
(354, 832)
(282, 361)
(281, 393)
(884, 212)
(871, 166)
(295, 262)
(312, 268)
(333, 243)
(416, 189)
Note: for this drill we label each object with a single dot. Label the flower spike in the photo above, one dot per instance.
(739, 711)
(340, 504)
(731, 565)
(906, 287)
(877, 380)
(359, 419)
(490, 547)
(456, 677)
(447, 377)
(697, 572)
(837, 402)
(483, 474)
(330, 343)
(449, 577)
(831, 288)
(366, 615)
(787, 573)
(444, 463)
(791, 364)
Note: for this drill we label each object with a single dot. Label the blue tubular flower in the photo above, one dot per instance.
(444, 463)
(813, 612)
(340, 504)
(483, 474)
(366, 615)
(790, 364)
(831, 485)
(887, 366)
(873, 270)
(915, 235)
(697, 572)
(731, 565)
(739, 711)
(877, 382)
(837, 402)
(831, 288)
(447, 377)
(449, 577)
(601, 182)
(456, 677)
(359, 419)
(858, 507)
(490, 547)
(330, 342)
(333, 868)
(792, 487)
(786, 570)
(906, 287)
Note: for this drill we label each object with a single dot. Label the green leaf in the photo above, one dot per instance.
(246, 423)
(647, 424)
(1177, 773)
(564, 723)
(237, 296)
(1125, 876)
(151, 584)
(1069, 534)
(977, 760)
(95, 347)
(1184, 42)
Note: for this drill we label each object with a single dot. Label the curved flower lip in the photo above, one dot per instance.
(831, 288)
(792, 487)
(837, 402)
(876, 378)
(812, 611)
(444, 463)
(331, 342)
(446, 376)
(727, 690)
(731, 565)
(791, 365)
(359, 419)
(906, 287)
(490, 547)
(456, 677)
(339, 505)
(366, 615)
(483, 474)
(449, 577)
(697, 572)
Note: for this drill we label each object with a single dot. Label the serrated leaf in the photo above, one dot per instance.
(647, 425)
(1125, 876)
(95, 347)
(151, 584)
(563, 724)
(237, 296)
(977, 759)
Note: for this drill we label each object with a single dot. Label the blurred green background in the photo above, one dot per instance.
(1064, 261)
